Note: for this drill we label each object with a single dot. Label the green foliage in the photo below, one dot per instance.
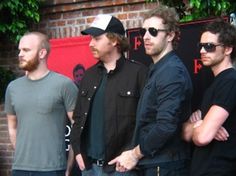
(16, 16)
(197, 9)
(5, 77)
(208, 8)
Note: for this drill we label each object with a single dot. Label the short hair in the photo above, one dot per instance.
(123, 44)
(44, 40)
(170, 19)
(78, 67)
(226, 33)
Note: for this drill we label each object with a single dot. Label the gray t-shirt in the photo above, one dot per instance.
(41, 108)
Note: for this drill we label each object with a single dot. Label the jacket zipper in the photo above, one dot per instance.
(158, 170)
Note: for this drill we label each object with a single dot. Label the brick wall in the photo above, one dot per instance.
(60, 19)
(6, 151)
(68, 19)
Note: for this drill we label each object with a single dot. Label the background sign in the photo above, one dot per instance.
(188, 52)
(66, 53)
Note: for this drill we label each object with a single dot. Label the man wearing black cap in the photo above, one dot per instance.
(107, 100)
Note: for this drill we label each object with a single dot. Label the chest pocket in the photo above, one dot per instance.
(84, 97)
(127, 102)
(85, 101)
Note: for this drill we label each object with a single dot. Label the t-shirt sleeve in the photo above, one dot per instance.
(70, 95)
(226, 94)
(8, 105)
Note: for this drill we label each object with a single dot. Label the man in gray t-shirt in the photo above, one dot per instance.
(37, 105)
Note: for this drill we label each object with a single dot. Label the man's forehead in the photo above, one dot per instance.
(28, 41)
(207, 35)
(153, 22)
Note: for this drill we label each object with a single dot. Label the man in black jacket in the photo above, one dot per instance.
(108, 95)
(164, 104)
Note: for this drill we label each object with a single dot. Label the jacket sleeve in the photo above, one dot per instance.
(171, 93)
(142, 76)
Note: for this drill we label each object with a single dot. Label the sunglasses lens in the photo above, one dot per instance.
(142, 31)
(208, 47)
(153, 31)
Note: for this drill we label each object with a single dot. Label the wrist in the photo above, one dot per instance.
(137, 153)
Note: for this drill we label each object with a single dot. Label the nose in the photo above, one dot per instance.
(146, 35)
(202, 50)
(91, 43)
(20, 53)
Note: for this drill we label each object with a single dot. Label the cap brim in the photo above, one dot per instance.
(93, 31)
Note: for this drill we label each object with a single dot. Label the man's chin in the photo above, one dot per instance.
(25, 68)
(96, 57)
(22, 67)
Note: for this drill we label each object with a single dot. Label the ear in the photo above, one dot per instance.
(42, 53)
(114, 42)
(170, 36)
(228, 50)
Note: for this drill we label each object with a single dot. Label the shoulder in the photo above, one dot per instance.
(232, 74)
(93, 68)
(175, 65)
(60, 79)
(173, 70)
(18, 81)
(60, 76)
(132, 64)
(228, 75)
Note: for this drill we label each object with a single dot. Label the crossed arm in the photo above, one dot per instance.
(200, 131)
(203, 131)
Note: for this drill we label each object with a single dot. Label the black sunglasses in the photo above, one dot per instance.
(208, 47)
(153, 31)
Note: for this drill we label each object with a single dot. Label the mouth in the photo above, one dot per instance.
(94, 50)
(147, 45)
(203, 58)
(21, 61)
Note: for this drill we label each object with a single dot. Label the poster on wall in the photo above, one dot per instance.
(188, 52)
(67, 53)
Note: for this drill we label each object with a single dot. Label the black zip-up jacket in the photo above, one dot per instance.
(122, 91)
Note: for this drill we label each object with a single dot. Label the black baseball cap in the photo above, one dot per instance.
(104, 23)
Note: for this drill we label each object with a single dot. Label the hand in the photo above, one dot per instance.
(119, 168)
(125, 162)
(67, 173)
(197, 123)
(222, 134)
(195, 116)
(80, 161)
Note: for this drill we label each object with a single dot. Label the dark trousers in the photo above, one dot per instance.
(37, 173)
(98, 171)
(180, 168)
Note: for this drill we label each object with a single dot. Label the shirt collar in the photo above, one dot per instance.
(119, 64)
(162, 61)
